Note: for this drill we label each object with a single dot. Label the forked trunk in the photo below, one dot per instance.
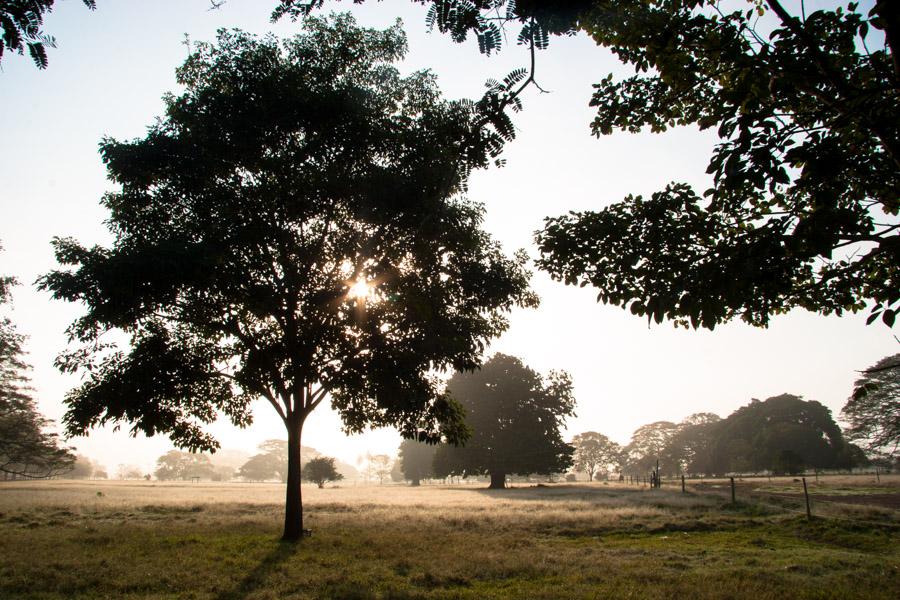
(293, 505)
(498, 481)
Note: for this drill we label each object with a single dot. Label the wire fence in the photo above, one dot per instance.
(791, 497)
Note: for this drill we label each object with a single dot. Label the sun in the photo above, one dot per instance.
(361, 290)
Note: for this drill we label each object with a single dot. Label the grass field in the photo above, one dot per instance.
(220, 541)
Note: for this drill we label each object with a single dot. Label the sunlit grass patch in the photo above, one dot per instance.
(431, 542)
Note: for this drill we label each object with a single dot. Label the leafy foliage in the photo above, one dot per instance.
(873, 411)
(803, 210)
(515, 416)
(285, 176)
(320, 470)
(20, 24)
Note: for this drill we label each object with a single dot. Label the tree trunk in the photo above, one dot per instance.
(414, 482)
(498, 481)
(293, 505)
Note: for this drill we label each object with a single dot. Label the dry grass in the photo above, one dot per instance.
(219, 541)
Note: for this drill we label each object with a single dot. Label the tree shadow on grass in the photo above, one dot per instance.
(259, 576)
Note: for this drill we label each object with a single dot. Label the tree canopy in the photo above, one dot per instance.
(803, 208)
(784, 434)
(515, 416)
(873, 411)
(291, 229)
(20, 28)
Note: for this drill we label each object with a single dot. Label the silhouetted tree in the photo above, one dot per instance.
(291, 230)
(175, 465)
(594, 452)
(784, 434)
(515, 415)
(416, 460)
(803, 207)
(26, 449)
(320, 470)
(20, 24)
(873, 411)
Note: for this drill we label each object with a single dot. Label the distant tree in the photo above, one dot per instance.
(690, 448)
(515, 416)
(594, 453)
(100, 473)
(26, 448)
(785, 434)
(292, 230)
(270, 463)
(20, 25)
(416, 460)
(82, 468)
(381, 465)
(648, 445)
(124, 471)
(320, 470)
(183, 465)
(397, 472)
(264, 467)
(873, 411)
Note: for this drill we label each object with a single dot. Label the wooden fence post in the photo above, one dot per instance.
(806, 495)
(682, 484)
(732, 491)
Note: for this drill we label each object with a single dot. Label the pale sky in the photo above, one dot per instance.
(113, 65)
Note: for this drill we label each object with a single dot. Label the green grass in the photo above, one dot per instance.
(554, 542)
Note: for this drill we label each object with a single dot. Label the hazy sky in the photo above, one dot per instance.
(106, 79)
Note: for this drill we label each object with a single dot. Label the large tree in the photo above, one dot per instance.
(26, 448)
(803, 207)
(594, 453)
(20, 28)
(291, 229)
(784, 434)
(515, 415)
(873, 411)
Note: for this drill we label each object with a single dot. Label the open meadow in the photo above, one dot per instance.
(64, 539)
